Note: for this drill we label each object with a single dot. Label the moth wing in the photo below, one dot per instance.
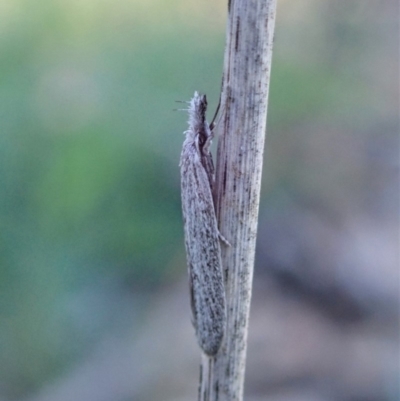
(208, 165)
(203, 253)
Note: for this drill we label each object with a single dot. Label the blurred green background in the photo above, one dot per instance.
(91, 241)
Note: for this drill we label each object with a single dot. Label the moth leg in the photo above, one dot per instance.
(213, 124)
(223, 239)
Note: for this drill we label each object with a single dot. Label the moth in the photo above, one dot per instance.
(202, 237)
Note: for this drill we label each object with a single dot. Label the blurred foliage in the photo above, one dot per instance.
(89, 155)
(89, 151)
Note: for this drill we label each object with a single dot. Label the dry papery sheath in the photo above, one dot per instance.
(202, 238)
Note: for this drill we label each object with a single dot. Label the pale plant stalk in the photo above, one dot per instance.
(244, 99)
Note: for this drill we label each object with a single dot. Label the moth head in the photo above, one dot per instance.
(198, 108)
(199, 130)
(200, 104)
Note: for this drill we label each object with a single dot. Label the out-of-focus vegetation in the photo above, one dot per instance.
(89, 151)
